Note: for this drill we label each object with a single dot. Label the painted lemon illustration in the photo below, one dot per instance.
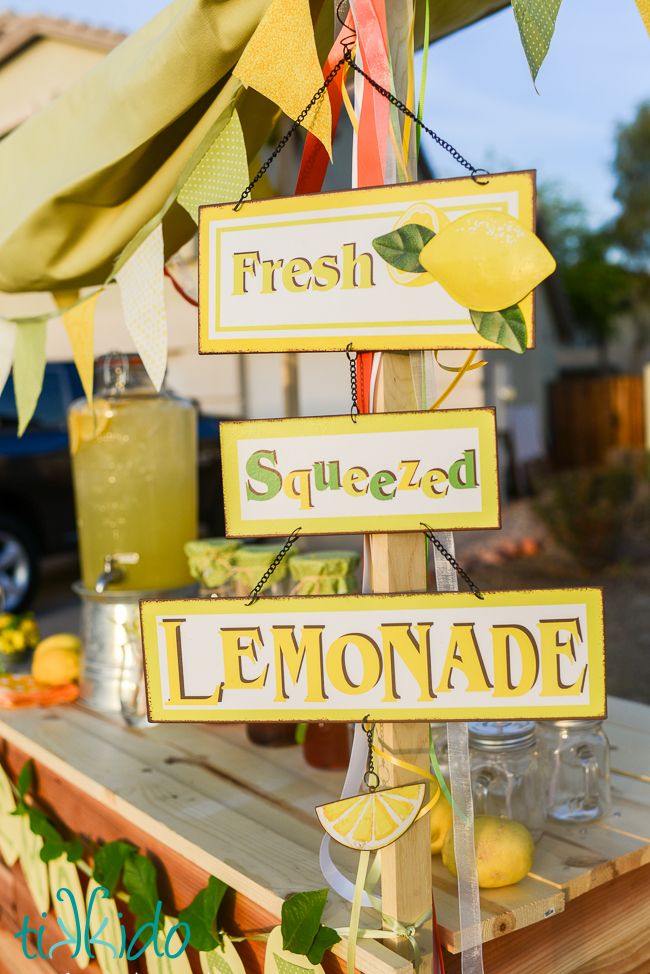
(424, 215)
(374, 820)
(487, 261)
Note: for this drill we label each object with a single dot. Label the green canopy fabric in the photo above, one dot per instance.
(83, 181)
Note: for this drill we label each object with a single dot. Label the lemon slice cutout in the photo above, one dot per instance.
(374, 820)
(428, 216)
(487, 260)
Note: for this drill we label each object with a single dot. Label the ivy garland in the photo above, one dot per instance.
(131, 877)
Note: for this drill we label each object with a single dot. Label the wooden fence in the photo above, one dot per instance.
(592, 416)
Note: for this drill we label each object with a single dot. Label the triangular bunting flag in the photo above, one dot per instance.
(536, 23)
(141, 286)
(281, 62)
(29, 368)
(7, 340)
(644, 10)
(79, 323)
(222, 173)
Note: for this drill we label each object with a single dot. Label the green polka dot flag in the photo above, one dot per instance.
(536, 23)
(222, 173)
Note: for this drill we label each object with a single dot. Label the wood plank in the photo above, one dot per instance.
(126, 773)
(607, 931)
(630, 750)
(399, 565)
(629, 713)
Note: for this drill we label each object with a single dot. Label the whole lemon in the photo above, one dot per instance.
(62, 640)
(57, 660)
(504, 851)
(441, 821)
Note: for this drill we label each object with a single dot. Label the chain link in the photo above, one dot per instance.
(352, 359)
(287, 546)
(291, 131)
(474, 589)
(370, 778)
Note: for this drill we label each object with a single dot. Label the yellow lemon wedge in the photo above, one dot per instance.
(374, 820)
(487, 261)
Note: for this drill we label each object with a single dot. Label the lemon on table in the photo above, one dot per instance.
(57, 665)
(504, 851)
(487, 260)
(373, 820)
(441, 819)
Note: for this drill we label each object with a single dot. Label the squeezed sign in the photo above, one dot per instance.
(385, 472)
(439, 264)
(395, 657)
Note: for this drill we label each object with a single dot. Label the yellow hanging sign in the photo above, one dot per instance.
(448, 263)
(384, 472)
(451, 656)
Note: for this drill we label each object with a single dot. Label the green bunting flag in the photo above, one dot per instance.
(536, 23)
(29, 368)
(222, 173)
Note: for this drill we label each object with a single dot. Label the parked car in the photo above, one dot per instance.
(36, 494)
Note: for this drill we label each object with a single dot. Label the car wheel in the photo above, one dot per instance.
(18, 564)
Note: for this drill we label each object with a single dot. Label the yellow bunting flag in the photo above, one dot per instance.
(222, 173)
(33, 867)
(7, 340)
(68, 902)
(536, 23)
(29, 368)
(79, 322)
(168, 956)
(141, 283)
(281, 62)
(644, 10)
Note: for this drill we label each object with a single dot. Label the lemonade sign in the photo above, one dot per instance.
(439, 264)
(393, 657)
(385, 472)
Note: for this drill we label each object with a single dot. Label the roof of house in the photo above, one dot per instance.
(17, 32)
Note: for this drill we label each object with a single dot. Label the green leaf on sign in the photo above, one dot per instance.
(324, 940)
(301, 915)
(506, 328)
(401, 248)
(109, 862)
(202, 913)
(139, 878)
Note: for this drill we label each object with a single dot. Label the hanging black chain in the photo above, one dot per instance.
(438, 545)
(447, 146)
(352, 359)
(286, 547)
(370, 778)
(291, 131)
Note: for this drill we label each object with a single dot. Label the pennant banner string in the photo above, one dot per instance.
(79, 322)
(143, 301)
(222, 173)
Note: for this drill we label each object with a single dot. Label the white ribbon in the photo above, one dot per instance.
(469, 904)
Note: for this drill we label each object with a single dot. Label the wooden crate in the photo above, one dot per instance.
(202, 800)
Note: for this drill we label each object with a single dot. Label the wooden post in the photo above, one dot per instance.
(399, 565)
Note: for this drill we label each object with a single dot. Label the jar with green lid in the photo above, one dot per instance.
(324, 573)
(212, 562)
(251, 561)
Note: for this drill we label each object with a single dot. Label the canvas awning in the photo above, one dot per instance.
(80, 179)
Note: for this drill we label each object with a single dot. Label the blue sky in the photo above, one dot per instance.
(480, 96)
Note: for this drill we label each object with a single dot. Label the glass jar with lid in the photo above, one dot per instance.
(506, 773)
(134, 462)
(575, 762)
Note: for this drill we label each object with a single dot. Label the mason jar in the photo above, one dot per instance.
(575, 762)
(506, 772)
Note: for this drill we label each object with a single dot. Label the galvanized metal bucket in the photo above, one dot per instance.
(110, 632)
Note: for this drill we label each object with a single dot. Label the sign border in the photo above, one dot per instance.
(592, 596)
(358, 523)
(289, 204)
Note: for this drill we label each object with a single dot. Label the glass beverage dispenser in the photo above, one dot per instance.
(134, 461)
